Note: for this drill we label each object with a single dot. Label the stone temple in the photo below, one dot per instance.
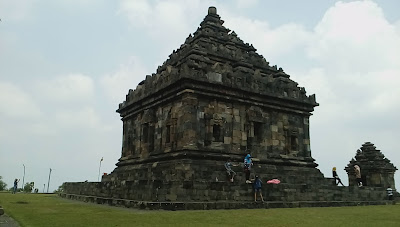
(376, 170)
(216, 98)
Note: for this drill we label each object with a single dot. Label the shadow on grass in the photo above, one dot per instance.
(22, 202)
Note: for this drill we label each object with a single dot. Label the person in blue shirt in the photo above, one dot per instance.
(247, 167)
(257, 188)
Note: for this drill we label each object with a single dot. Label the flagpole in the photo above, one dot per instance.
(98, 178)
(48, 182)
(23, 179)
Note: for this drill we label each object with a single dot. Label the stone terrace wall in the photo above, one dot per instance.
(168, 182)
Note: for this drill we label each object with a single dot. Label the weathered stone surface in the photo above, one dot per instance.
(376, 169)
(215, 98)
(207, 205)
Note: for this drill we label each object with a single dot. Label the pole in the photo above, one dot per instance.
(23, 179)
(44, 186)
(98, 178)
(48, 182)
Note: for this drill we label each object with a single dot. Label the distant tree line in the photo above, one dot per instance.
(3, 185)
(28, 187)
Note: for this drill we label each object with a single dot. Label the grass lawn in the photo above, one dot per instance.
(50, 210)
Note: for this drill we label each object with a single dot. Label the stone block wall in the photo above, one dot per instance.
(199, 123)
(215, 98)
(205, 181)
(376, 169)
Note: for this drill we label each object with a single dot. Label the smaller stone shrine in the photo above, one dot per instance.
(376, 169)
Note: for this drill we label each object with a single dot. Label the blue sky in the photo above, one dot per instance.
(66, 65)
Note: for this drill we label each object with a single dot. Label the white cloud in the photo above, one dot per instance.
(16, 103)
(78, 119)
(169, 22)
(355, 36)
(6, 39)
(117, 84)
(69, 88)
(384, 91)
(138, 12)
(41, 128)
(359, 51)
(157, 17)
(79, 3)
(246, 3)
(15, 10)
(397, 26)
(272, 42)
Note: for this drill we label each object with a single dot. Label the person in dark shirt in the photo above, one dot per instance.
(15, 189)
(337, 179)
(257, 188)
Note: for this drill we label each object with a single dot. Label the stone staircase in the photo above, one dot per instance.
(192, 185)
(190, 205)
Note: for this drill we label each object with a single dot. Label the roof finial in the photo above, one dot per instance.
(212, 10)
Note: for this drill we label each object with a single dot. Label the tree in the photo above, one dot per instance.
(3, 186)
(60, 189)
(29, 187)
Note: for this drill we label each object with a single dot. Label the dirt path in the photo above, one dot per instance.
(7, 221)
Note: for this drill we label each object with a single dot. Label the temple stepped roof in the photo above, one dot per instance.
(214, 54)
(368, 157)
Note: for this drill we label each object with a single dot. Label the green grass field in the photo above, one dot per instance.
(50, 210)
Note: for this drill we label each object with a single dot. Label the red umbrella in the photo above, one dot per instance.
(273, 181)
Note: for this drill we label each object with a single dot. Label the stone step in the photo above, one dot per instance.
(152, 205)
(236, 191)
(205, 190)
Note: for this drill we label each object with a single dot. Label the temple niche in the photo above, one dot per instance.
(376, 169)
(215, 98)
